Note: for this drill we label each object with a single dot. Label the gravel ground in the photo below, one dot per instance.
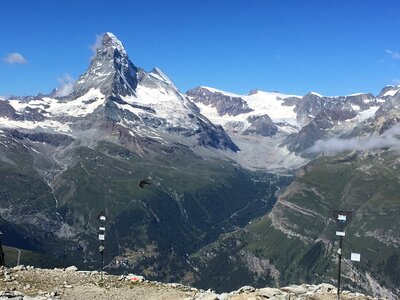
(28, 283)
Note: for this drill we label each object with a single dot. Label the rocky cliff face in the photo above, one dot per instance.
(261, 125)
(223, 103)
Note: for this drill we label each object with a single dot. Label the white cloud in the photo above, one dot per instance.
(15, 58)
(65, 87)
(391, 139)
(97, 44)
(393, 54)
(396, 81)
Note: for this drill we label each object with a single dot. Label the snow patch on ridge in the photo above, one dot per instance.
(391, 93)
(47, 124)
(160, 75)
(212, 114)
(214, 90)
(164, 102)
(53, 108)
(316, 94)
(79, 107)
(368, 113)
(269, 103)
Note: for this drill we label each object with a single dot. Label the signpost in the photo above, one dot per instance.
(342, 218)
(102, 218)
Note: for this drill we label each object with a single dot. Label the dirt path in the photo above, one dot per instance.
(71, 285)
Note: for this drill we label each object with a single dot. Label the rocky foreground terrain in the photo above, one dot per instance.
(28, 283)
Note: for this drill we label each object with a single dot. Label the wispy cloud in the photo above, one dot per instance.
(391, 139)
(65, 87)
(15, 58)
(97, 44)
(396, 81)
(393, 54)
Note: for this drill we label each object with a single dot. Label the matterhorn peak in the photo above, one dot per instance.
(110, 70)
(109, 40)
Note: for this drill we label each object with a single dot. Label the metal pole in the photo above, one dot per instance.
(102, 261)
(19, 256)
(340, 266)
(2, 262)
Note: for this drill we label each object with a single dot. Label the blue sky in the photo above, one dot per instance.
(293, 46)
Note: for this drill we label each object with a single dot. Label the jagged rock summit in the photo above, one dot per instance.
(110, 70)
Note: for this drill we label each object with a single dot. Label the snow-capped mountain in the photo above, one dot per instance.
(110, 71)
(289, 113)
(258, 123)
(287, 124)
(116, 95)
(116, 100)
(238, 113)
(389, 91)
(386, 115)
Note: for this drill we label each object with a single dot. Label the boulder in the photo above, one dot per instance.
(71, 269)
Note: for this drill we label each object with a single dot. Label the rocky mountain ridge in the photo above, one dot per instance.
(290, 121)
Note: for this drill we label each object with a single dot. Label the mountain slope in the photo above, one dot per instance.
(296, 242)
(189, 203)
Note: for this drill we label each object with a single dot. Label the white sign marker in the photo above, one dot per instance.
(102, 228)
(340, 233)
(342, 218)
(355, 257)
(101, 237)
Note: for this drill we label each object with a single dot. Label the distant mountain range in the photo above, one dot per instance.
(216, 163)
